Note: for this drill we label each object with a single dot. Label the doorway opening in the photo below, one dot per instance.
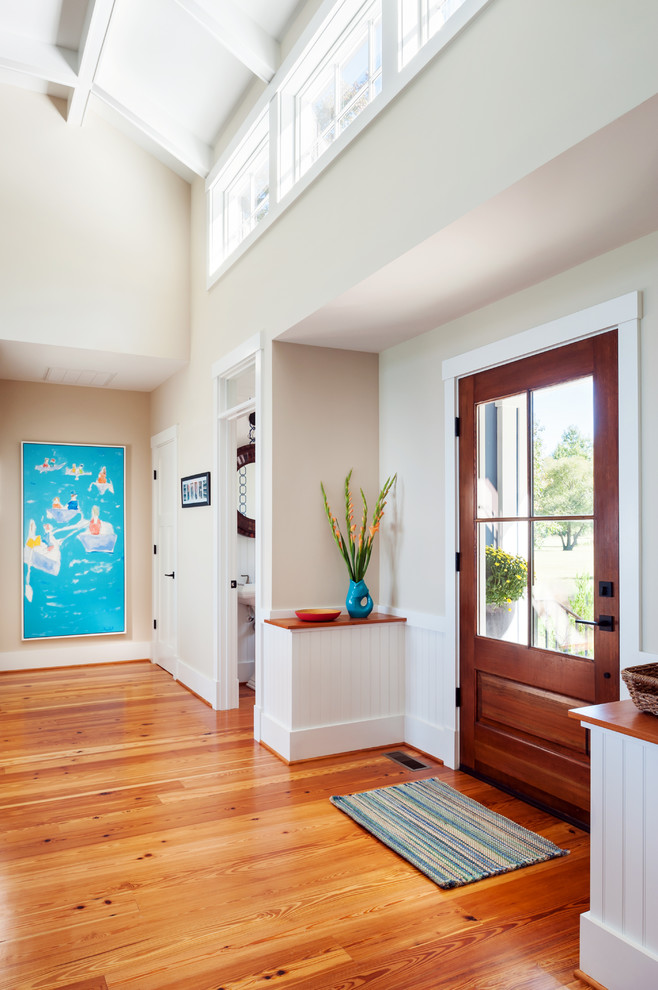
(237, 557)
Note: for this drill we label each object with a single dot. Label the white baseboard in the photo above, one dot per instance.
(205, 687)
(612, 960)
(437, 741)
(74, 655)
(325, 740)
(257, 723)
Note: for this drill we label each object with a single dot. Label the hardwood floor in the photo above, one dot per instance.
(148, 843)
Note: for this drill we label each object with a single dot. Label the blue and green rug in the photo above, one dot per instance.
(449, 837)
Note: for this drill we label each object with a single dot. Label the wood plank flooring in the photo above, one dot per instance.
(148, 843)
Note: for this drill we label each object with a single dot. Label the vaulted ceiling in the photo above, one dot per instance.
(170, 72)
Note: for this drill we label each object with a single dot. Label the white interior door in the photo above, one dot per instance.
(165, 599)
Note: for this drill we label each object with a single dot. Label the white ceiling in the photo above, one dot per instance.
(172, 72)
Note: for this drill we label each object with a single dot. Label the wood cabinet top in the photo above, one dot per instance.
(620, 716)
(294, 624)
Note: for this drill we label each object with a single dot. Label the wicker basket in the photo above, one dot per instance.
(642, 684)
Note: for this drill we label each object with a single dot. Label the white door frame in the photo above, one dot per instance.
(167, 436)
(224, 516)
(624, 313)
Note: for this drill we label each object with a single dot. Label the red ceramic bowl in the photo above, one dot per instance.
(317, 614)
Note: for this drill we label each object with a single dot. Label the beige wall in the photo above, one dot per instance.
(39, 412)
(412, 417)
(324, 423)
(94, 251)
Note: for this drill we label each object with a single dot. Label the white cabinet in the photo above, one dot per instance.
(332, 687)
(619, 933)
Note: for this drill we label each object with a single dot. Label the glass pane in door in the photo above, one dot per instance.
(502, 551)
(563, 459)
(502, 457)
(563, 586)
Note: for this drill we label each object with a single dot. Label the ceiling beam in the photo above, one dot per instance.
(94, 32)
(161, 131)
(35, 58)
(238, 34)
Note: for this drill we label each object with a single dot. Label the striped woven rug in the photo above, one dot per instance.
(448, 836)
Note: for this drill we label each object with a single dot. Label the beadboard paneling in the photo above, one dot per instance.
(363, 685)
(623, 849)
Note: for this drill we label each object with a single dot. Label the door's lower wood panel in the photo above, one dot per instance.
(533, 771)
(530, 712)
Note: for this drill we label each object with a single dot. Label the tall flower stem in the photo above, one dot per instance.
(357, 548)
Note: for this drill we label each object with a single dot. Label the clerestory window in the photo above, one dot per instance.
(336, 80)
(354, 58)
(342, 87)
(419, 21)
(240, 196)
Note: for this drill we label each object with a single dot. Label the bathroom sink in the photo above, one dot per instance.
(247, 594)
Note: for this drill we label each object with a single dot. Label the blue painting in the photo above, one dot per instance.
(74, 581)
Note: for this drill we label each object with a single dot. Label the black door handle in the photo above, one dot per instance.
(606, 622)
(173, 574)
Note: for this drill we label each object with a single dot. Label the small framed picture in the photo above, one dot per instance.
(195, 490)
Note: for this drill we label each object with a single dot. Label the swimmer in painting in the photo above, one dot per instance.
(94, 522)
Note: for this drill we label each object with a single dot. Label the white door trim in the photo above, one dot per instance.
(624, 313)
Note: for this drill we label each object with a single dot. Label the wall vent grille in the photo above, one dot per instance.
(406, 761)
(78, 376)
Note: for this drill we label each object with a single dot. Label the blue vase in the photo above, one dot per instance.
(359, 603)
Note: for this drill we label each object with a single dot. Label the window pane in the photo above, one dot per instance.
(341, 88)
(247, 199)
(563, 586)
(439, 12)
(409, 29)
(502, 451)
(420, 20)
(354, 71)
(502, 581)
(562, 433)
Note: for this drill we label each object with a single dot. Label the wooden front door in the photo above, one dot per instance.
(539, 605)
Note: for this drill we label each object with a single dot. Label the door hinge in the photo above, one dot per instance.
(155, 549)
(458, 697)
(458, 561)
(155, 623)
(457, 426)
(155, 475)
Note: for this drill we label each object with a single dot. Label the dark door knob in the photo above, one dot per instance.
(173, 574)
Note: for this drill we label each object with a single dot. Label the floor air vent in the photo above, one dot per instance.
(406, 761)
